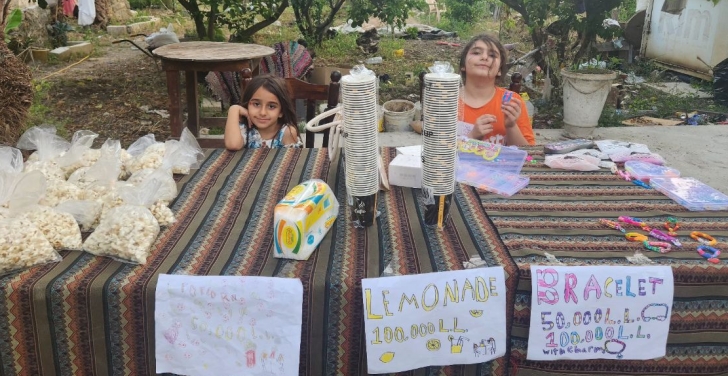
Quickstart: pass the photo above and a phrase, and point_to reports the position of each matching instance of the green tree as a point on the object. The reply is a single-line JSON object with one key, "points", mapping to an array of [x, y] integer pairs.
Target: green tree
{"points": [[561, 20], [392, 12], [314, 17], [466, 11], [243, 17]]}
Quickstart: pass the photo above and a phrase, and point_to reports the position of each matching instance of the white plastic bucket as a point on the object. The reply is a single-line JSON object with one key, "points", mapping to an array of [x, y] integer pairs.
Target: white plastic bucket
{"points": [[584, 98], [398, 114]]}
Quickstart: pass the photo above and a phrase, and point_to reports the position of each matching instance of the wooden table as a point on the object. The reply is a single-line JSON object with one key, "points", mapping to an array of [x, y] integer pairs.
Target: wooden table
{"points": [[94, 316], [193, 57]]}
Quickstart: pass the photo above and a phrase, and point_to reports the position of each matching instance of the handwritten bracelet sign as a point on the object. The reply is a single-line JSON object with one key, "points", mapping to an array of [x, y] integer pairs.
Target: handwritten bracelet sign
{"points": [[214, 325], [599, 312], [456, 317]]}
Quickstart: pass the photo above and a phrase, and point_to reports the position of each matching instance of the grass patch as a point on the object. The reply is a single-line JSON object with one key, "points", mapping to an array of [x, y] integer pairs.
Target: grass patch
{"points": [[39, 113]]}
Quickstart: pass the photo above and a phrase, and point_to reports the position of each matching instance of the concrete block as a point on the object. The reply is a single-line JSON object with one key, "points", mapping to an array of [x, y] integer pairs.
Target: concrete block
{"points": [[116, 30], [62, 53], [73, 50], [81, 48], [141, 27]]}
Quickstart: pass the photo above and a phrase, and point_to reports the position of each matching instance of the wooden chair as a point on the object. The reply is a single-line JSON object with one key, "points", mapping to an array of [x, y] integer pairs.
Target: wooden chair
{"points": [[311, 93]]}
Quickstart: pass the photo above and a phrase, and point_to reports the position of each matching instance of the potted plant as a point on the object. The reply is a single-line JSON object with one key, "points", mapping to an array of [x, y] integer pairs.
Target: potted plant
{"points": [[586, 88]]}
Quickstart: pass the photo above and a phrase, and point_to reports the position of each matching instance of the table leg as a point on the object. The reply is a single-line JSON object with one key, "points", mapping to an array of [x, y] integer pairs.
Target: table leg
{"points": [[193, 114], [245, 77], [175, 112]]}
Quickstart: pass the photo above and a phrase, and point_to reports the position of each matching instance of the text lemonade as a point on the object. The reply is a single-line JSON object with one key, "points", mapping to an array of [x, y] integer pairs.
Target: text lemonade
{"points": [[476, 291]]}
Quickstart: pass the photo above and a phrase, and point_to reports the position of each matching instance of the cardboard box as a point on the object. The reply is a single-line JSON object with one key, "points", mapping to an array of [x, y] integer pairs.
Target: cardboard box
{"points": [[406, 171], [322, 75]]}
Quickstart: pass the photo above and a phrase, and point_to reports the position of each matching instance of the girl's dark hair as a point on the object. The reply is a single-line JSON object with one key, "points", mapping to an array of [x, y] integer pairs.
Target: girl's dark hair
{"points": [[491, 42], [277, 86]]}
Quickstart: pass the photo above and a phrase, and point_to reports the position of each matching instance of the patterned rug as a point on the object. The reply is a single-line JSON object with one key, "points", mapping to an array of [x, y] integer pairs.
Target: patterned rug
{"points": [[558, 214]]}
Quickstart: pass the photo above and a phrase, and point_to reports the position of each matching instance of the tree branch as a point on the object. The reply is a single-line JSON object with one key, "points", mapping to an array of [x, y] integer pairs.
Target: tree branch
{"points": [[262, 24], [4, 18]]}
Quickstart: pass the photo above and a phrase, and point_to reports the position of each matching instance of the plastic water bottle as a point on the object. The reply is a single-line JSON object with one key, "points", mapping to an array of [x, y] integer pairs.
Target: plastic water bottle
{"points": [[529, 107]]}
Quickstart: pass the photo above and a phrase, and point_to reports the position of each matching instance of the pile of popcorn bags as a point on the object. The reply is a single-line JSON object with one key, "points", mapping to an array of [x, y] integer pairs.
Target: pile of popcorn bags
{"points": [[65, 188]]}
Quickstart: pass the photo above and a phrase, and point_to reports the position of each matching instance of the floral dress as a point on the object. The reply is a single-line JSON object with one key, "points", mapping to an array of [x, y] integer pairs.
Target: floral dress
{"points": [[252, 139]]}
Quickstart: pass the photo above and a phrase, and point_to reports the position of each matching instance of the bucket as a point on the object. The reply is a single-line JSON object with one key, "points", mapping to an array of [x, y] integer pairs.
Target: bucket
{"points": [[398, 114], [584, 98]]}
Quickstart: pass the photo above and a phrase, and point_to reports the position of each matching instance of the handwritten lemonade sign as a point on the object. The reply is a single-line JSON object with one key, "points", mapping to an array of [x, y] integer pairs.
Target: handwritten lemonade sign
{"points": [[445, 318], [228, 325], [599, 312]]}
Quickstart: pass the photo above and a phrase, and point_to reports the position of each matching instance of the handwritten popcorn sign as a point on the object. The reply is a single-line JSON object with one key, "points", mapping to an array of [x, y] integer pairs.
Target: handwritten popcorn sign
{"points": [[599, 312], [456, 317], [228, 325]]}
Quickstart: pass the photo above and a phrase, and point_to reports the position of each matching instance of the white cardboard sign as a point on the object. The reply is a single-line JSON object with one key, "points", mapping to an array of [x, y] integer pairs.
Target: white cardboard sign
{"points": [[456, 317], [214, 325], [599, 312]]}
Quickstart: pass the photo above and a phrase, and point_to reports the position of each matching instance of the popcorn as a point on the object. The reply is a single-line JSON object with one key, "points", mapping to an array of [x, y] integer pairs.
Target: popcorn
{"points": [[60, 229], [126, 233], [23, 245], [151, 158], [60, 191], [85, 212], [164, 215], [48, 168], [89, 157]]}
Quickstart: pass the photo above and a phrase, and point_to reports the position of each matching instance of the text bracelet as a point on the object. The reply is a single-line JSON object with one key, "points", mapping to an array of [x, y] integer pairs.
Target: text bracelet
{"points": [[672, 226], [659, 247], [636, 237], [657, 234], [703, 238], [634, 222], [612, 225], [710, 253]]}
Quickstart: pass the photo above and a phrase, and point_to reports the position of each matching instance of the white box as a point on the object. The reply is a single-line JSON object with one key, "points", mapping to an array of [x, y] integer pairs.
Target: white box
{"points": [[414, 150], [406, 171]]}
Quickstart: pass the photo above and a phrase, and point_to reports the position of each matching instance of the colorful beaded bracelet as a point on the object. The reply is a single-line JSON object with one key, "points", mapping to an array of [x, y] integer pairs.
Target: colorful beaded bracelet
{"points": [[710, 253], [636, 237], [659, 247], [672, 226], [612, 225], [634, 221], [657, 234], [703, 238]]}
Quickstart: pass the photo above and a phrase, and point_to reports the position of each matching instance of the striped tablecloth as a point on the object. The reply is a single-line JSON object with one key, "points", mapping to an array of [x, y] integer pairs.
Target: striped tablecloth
{"points": [[90, 315], [558, 214]]}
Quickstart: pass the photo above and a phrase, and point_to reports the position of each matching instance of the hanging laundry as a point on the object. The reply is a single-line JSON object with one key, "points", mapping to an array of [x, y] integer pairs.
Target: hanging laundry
{"points": [[86, 12]]}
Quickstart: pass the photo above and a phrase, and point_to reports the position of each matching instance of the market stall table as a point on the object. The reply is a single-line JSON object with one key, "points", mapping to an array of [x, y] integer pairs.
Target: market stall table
{"points": [[90, 315], [193, 57], [559, 212]]}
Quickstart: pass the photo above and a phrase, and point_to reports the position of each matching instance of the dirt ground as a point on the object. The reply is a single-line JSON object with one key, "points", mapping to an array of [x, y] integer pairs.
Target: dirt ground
{"points": [[105, 94]]}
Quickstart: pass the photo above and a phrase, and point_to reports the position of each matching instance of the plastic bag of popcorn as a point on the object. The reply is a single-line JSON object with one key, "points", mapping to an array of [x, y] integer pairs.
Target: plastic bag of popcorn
{"points": [[48, 147], [23, 245], [74, 157], [183, 155], [60, 228], [11, 160], [127, 232], [85, 212], [21, 190]]}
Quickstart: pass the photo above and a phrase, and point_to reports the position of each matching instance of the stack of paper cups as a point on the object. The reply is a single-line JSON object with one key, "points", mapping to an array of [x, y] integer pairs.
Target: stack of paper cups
{"points": [[439, 143], [361, 147]]}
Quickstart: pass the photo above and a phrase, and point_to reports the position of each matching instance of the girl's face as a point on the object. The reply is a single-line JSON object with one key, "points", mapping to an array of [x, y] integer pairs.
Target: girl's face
{"points": [[483, 61], [264, 109]]}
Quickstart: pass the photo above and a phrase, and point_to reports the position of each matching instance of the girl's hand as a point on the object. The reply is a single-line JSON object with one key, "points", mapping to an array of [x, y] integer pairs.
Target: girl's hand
{"points": [[483, 126], [242, 113], [511, 111]]}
